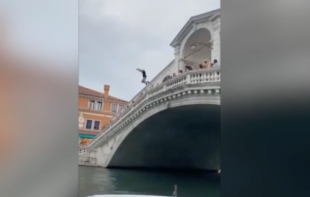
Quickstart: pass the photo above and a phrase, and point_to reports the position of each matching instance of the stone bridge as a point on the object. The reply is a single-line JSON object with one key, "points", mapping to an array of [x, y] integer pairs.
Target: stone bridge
{"points": [[173, 125]]}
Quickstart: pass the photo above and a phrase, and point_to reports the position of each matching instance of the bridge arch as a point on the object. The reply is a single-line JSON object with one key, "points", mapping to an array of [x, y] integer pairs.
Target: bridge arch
{"points": [[197, 37], [180, 135], [195, 92]]}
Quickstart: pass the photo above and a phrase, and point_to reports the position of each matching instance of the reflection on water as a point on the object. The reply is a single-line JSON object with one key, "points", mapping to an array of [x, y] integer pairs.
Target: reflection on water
{"points": [[115, 181]]}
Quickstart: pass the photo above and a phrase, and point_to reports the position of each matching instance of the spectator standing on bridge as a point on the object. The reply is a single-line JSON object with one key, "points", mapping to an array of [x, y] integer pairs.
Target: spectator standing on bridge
{"points": [[143, 76], [187, 67], [205, 64], [215, 64]]}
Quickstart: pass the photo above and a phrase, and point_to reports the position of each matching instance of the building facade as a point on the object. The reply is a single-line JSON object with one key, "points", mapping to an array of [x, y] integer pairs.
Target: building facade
{"points": [[96, 110]]}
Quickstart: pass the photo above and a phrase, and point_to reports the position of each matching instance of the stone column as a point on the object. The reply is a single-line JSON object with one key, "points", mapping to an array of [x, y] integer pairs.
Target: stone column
{"points": [[81, 120], [177, 57], [216, 40]]}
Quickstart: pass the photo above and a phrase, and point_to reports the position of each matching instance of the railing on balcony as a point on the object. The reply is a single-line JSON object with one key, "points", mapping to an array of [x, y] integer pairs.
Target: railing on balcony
{"points": [[190, 77]]}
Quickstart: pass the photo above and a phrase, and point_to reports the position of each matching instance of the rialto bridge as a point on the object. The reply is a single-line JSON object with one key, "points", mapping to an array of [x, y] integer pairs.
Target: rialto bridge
{"points": [[175, 123]]}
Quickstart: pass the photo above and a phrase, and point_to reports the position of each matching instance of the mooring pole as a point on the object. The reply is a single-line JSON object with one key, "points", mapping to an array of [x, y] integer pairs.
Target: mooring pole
{"points": [[175, 191]]}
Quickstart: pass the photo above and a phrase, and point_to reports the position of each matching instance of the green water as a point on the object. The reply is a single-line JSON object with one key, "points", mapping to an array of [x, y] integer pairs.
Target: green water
{"points": [[114, 181]]}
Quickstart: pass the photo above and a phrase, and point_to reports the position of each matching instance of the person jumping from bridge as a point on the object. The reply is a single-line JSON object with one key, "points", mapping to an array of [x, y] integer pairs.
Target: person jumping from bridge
{"points": [[143, 76]]}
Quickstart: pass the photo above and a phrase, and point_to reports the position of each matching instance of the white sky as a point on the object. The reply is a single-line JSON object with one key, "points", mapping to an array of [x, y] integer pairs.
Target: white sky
{"points": [[117, 36]]}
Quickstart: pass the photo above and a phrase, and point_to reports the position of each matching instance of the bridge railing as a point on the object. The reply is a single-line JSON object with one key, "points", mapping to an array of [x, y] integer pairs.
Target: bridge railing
{"points": [[191, 77]]}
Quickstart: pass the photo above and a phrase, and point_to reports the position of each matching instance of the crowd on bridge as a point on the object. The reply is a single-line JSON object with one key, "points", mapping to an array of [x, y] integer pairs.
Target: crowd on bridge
{"points": [[206, 64], [203, 65]]}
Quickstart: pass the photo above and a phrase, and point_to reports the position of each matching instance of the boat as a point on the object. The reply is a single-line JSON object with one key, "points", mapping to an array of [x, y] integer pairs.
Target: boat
{"points": [[124, 195]]}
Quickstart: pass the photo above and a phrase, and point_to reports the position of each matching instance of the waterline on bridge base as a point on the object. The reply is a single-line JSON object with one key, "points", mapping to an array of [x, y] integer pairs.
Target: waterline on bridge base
{"points": [[153, 169], [163, 169]]}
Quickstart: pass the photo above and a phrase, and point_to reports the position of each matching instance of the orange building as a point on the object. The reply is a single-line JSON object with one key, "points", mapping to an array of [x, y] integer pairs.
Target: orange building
{"points": [[96, 110]]}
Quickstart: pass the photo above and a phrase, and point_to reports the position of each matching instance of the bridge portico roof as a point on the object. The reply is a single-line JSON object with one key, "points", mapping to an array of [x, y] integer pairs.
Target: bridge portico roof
{"points": [[194, 19]]}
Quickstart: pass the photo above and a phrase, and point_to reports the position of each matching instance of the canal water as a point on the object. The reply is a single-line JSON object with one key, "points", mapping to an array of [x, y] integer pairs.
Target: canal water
{"points": [[96, 181]]}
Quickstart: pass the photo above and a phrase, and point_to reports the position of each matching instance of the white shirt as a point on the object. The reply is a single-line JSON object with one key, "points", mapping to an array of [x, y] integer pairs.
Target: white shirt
{"points": [[216, 65]]}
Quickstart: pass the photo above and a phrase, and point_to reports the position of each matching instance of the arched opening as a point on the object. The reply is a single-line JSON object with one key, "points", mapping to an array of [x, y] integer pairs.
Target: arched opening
{"points": [[197, 48], [183, 138]]}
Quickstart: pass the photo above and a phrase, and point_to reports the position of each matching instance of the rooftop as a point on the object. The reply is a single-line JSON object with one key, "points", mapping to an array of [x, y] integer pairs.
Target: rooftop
{"points": [[94, 93]]}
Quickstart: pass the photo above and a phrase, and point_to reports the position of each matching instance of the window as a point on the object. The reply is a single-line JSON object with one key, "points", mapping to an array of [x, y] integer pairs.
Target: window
{"points": [[89, 124], [114, 108], [95, 105], [92, 104], [121, 108], [99, 106], [97, 125], [92, 124]]}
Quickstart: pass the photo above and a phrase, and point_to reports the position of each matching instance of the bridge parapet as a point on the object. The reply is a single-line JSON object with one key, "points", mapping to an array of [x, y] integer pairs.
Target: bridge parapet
{"points": [[203, 77]]}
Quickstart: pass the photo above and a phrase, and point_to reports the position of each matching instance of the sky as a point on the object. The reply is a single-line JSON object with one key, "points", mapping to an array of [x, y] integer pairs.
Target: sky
{"points": [[118, 36], [114, 36]]}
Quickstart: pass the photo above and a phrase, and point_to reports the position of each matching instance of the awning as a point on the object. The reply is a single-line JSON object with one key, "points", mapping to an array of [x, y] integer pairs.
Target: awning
{"points": [[83, 136]]}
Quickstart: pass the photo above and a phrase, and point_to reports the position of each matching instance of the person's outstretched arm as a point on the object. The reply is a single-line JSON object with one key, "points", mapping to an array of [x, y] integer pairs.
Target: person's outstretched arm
{"points": [[140, 70]]}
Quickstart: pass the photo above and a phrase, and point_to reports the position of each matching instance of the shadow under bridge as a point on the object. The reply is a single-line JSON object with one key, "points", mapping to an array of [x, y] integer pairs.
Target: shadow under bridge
{"points": [[181, 138]]}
